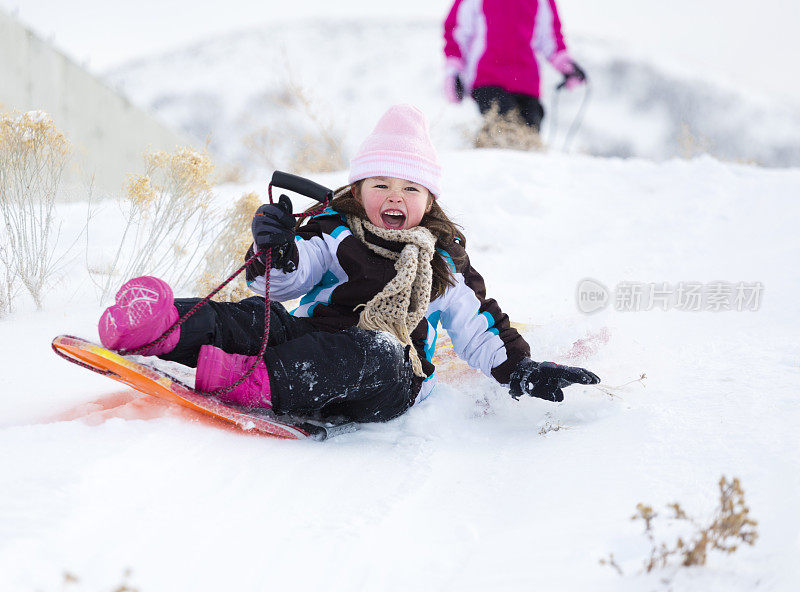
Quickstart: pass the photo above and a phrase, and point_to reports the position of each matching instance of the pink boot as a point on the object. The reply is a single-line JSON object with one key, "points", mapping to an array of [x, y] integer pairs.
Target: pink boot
{"points": [[217, 369], [144, 309]]}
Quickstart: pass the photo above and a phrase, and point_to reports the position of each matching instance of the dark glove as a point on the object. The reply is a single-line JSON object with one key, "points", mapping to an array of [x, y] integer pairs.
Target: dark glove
{"points": [[273, 224], [546, 379]]}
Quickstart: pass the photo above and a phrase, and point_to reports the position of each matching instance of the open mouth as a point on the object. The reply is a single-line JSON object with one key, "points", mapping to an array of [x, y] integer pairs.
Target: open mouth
{"points": [[393, 219]]}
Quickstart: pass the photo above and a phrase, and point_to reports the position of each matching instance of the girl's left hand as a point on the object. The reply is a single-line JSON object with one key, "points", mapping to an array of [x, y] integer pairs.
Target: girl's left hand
{"points": [[545, 380]]}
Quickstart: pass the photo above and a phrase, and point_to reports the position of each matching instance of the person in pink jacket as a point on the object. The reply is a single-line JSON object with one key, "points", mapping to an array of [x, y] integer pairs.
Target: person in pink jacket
{"points": [[491, 48]]}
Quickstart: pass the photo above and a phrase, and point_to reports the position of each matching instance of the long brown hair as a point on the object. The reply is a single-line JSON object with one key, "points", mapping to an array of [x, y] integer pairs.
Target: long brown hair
{"points": [[447, 232]]}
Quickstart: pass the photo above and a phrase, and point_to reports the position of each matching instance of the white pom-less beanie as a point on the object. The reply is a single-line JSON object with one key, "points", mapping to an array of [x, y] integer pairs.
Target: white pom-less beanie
{"points": [[399, 146]]}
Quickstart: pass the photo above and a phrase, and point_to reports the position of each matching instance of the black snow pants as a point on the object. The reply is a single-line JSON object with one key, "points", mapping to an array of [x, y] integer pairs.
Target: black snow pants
{"points": [[354, 374], [528, 107]]}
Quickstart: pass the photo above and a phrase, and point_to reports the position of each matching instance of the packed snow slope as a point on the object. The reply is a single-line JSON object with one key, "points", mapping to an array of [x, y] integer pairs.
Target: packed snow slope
{"points": [[470, 490], [284, 84]]}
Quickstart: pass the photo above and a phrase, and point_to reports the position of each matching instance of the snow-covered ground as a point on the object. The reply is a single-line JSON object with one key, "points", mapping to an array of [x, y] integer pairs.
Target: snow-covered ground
{"points": [[469, 490], [667, 78], [282, 83]]}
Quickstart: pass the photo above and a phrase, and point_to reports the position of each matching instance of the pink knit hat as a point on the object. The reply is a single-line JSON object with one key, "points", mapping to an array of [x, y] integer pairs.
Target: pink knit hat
{"points": [[399, 146]]}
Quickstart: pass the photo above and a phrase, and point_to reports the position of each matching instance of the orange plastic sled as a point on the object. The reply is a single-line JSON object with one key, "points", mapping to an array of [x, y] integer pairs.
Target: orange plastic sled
{"points": [[153, 382]]}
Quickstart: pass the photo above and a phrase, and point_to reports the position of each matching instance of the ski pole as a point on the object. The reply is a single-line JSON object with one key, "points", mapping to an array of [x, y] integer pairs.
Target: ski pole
{"points": [[577, 120]]}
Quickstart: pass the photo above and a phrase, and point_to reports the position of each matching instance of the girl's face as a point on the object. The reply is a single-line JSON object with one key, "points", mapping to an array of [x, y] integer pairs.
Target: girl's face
{"points": [[394, 204]]}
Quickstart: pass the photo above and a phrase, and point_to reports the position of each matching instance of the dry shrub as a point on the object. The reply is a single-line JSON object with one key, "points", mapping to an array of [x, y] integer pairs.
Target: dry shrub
{"points": [[225, 255], [69, 579], [729, 527], [169, 215], [507, 131], [551, 425], [314, 156], [318, 151], [232, 173], [264, 145], [33, 156], [692, 145], [321, 151], [8, 281]]}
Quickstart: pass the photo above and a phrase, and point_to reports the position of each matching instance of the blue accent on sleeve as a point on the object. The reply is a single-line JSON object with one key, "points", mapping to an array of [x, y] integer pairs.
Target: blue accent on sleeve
{"points": [[433, 325], [327, 281], [448, 259], [338, 230], [329, 211], [307, 312], [490, 321]]}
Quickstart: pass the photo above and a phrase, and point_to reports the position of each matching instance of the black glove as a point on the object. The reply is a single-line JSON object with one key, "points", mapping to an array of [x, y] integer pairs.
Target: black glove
{"points": [[273, 224], [546, 379], [273, 227]]}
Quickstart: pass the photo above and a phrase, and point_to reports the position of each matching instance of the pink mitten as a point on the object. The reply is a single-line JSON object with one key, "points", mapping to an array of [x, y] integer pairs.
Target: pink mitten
{"points": [[574, 76]]}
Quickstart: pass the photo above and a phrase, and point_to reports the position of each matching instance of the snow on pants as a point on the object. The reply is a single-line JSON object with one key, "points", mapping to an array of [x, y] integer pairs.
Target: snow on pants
{"points": [[529, 107], [353, 374]]}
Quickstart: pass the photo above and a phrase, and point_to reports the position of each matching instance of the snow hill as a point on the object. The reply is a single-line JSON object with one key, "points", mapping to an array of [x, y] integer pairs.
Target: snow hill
{"points": [[470, 490], [244, 83]]}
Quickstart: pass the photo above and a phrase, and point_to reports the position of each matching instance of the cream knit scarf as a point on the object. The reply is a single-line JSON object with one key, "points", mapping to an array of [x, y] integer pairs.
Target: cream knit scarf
{"points": [[402, 303]]}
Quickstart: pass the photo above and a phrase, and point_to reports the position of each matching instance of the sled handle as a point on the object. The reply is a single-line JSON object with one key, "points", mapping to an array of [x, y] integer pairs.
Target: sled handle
{"points": [[302, 186]]}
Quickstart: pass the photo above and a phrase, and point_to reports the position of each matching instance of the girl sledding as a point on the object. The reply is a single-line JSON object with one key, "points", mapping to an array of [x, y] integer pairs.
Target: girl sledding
{"points": [[376, 272]]}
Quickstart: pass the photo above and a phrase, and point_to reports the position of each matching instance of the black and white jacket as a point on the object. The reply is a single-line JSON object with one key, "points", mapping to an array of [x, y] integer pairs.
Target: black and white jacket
{"points": [[334, 273]]}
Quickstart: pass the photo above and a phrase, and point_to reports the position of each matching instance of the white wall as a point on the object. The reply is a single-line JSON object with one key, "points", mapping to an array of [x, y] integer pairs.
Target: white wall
{"points": [[107, 133]]}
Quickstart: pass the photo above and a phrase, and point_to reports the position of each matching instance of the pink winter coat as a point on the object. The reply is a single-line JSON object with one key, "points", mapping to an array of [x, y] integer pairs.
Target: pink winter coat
{"points": [[493, 42]]}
